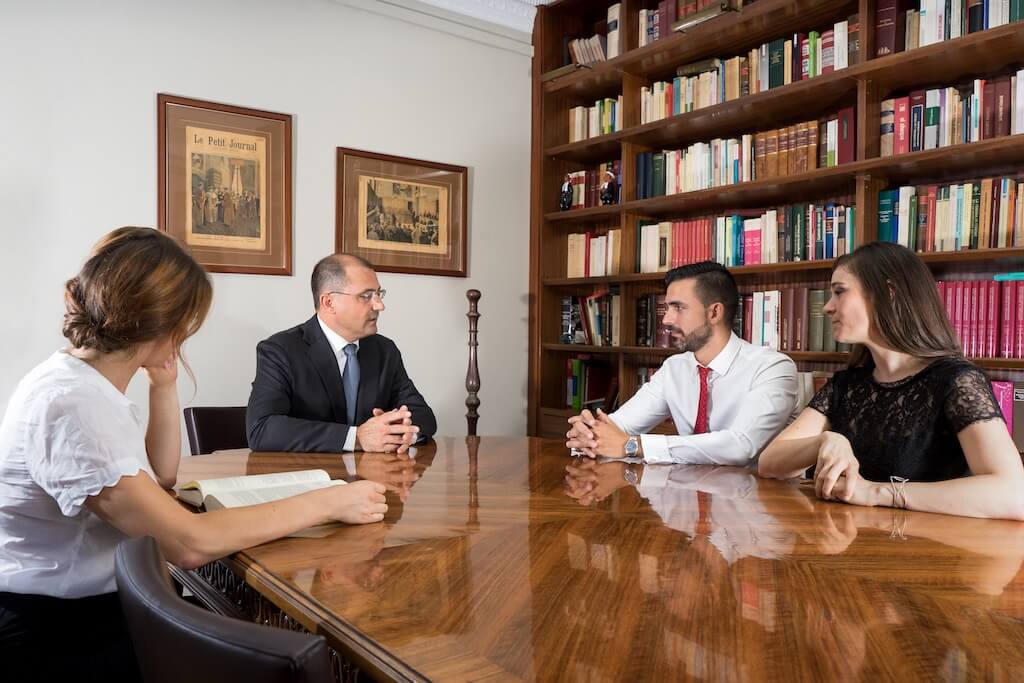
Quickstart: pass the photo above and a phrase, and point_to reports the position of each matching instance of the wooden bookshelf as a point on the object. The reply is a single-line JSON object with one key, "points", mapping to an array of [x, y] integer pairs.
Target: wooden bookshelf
{"points": [[863, 85]]}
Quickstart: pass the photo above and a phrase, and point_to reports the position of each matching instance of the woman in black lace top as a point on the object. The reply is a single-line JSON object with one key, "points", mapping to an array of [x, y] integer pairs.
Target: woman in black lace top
{"points": [[910, 418]]}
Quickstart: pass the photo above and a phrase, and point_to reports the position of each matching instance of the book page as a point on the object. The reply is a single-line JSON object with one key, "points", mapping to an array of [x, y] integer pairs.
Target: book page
{"points": [[244, 497], [207, 487]]}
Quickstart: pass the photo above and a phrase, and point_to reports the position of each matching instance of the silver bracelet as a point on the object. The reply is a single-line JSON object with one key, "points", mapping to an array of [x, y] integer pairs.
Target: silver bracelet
{"points": [[897, 485]]}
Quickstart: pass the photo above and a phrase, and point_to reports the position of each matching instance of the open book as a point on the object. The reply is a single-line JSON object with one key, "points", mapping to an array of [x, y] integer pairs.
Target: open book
{"points": [[233, 492]]}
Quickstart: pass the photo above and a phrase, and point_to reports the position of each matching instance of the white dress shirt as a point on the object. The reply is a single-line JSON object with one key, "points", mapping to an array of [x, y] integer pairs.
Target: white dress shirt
{"points": [[752, 392], [68, 433], [338, 344]]}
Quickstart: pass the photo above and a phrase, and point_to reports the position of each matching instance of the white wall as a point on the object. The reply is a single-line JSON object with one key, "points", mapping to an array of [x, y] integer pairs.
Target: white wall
{"points": [[78, 89]]}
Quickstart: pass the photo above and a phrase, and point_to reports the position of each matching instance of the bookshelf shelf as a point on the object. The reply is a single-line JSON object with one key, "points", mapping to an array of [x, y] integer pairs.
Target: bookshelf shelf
{"points": [[756, 194], [986, 54], [590, 215], [748, 113]]}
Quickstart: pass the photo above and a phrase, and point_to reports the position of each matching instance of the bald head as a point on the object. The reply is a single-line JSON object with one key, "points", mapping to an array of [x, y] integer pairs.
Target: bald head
{"points": [[329, 274]]}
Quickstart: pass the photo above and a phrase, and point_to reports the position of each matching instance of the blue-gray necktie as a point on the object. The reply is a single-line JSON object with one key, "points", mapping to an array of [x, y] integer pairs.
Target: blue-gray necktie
{"points": [[350, 380]]}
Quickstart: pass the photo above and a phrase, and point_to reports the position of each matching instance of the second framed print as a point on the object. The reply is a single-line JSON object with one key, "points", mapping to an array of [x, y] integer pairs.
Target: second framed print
{"points": [[225, 184], [402, 215]]}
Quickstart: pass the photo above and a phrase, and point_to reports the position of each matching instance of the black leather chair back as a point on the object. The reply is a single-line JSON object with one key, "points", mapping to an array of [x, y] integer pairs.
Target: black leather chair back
{"points": [[177, 641], [214, 429]]}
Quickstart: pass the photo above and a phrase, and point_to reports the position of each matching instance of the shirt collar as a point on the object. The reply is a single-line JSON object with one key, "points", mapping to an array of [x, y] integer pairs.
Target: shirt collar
{"points": [[336, 341], [94, 377], [721, 363]]}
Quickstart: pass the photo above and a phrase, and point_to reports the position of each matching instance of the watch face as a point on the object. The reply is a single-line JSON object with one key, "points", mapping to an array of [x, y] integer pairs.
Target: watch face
{"points": [[631, 476], [631, 446]]}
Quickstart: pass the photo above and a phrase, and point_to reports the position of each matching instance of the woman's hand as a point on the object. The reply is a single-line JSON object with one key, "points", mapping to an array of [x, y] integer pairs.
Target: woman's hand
{"points": [[360, 502], [165, 374], [837, 472]]}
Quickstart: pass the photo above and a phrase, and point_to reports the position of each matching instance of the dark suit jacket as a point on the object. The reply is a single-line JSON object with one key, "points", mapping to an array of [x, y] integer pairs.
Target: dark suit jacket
{"points": [[298, 403]]}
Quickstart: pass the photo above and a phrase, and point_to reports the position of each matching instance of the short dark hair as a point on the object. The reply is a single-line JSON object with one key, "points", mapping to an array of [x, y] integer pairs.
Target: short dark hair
{"points": [[330, 271], [715, 284]]}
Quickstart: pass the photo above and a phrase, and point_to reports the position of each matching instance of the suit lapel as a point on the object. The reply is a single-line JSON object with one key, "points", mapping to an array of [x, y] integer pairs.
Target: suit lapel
{"points": [[326, 364], [369, 372]]}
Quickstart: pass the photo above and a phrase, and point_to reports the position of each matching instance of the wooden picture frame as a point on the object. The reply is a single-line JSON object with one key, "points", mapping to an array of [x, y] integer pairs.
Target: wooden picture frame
{"points": [[402, 215], [224, 177]]}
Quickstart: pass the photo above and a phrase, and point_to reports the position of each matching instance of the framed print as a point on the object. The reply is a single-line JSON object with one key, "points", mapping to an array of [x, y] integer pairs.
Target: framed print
{"points": [[225, 184], [402, 215]]}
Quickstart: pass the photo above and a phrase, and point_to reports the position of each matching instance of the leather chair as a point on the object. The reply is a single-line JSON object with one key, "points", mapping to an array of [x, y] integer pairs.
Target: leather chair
{"points": [[213, 429], [177, 641]]}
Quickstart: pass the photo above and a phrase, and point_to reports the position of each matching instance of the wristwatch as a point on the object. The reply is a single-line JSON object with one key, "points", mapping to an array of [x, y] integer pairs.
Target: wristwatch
{"points": [[632, 446], [630, 475]]}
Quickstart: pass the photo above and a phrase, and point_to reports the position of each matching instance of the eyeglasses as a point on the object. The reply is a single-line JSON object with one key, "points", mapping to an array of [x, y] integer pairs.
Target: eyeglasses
{"points": [[367, 297]]}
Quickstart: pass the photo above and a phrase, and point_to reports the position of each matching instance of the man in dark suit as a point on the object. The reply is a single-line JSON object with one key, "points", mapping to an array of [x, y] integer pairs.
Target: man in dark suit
{"points": [[332, 383]]}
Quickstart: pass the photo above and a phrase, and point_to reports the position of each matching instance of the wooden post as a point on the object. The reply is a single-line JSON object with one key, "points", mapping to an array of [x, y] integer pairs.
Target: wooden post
{"points": [[472, 372]]}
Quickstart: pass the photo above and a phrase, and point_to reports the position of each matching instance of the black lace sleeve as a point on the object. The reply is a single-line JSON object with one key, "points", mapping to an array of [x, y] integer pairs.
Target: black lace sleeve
{"points": [[970, 399], [822, 401]]}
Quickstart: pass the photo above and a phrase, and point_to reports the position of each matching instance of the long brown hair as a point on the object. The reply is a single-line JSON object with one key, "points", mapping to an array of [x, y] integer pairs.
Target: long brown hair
{"points": [[903, 302], [138, 285]]}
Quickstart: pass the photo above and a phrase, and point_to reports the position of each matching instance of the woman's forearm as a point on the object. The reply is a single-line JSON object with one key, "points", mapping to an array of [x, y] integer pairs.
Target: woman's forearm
{"points": [[788, 458], [991, 496], [163, 435]]}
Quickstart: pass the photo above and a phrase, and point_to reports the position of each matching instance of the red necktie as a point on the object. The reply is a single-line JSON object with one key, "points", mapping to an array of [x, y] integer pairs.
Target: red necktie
{"points": [[700, 425]]}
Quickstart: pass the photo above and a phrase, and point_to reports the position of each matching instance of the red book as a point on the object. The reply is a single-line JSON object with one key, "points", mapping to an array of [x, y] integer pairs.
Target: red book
{"points": [[787, 340], [828, 52], [846, 148], [971, 317], [988, 110], [930, 227], [890, 24], [947, 299], [992, 319], [748, 316], [1002, 106], [958, 308], [1008, 321], [1018, 321], [981, 340], [678, 257], [901, 137]]}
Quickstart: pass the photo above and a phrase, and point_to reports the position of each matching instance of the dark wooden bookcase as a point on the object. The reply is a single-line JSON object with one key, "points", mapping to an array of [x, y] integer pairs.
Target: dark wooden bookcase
{"points": [[863, 85]]}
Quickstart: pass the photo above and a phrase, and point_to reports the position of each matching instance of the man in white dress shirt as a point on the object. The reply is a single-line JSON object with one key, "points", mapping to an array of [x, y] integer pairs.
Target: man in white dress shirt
{"points": [[727, 397]]}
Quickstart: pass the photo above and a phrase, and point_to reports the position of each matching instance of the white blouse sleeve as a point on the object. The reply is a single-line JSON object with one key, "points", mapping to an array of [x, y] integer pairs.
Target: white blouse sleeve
{"points": [[83, 448]]}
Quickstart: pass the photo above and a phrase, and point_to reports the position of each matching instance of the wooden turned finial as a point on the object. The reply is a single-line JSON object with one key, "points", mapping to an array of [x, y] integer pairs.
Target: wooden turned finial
{"points": [[473, 371]]}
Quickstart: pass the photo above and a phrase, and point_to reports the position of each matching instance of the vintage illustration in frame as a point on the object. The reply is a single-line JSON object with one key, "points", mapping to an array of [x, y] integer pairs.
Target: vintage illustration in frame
{"points": [[225, 184], [403, 215]]}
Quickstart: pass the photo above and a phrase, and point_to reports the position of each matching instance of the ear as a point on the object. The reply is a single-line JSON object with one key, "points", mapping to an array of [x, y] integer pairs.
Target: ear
{"points": [[716, 312]]}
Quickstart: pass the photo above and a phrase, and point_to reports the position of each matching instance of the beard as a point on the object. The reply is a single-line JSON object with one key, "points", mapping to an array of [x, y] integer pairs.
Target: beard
{"points": [[694, 341]]}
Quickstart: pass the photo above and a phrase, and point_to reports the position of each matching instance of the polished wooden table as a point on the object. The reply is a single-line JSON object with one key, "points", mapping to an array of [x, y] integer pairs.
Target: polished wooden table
{"points": [[506, 559]]}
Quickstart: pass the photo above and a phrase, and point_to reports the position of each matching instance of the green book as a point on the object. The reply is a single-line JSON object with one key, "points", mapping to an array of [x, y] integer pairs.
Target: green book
{"points": [[886, 202], [827, 337], [815, 320], [776, 63], [658, 173], [912, 228]]}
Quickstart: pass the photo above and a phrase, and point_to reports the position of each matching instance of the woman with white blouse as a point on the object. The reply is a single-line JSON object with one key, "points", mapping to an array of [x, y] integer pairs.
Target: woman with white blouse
{"points": [[80, 469]]}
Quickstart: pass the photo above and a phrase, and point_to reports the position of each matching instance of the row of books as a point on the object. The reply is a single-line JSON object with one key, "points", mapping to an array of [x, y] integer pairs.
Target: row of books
{"points": [[940, 117], [788, 319], [798, 232], [987, 316], [656, 23], [593, 320], [786, 151], [603, 118], [586, 185], [981, 214], [590, 255], [590, 383], [898, 28], [780, 62]]}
